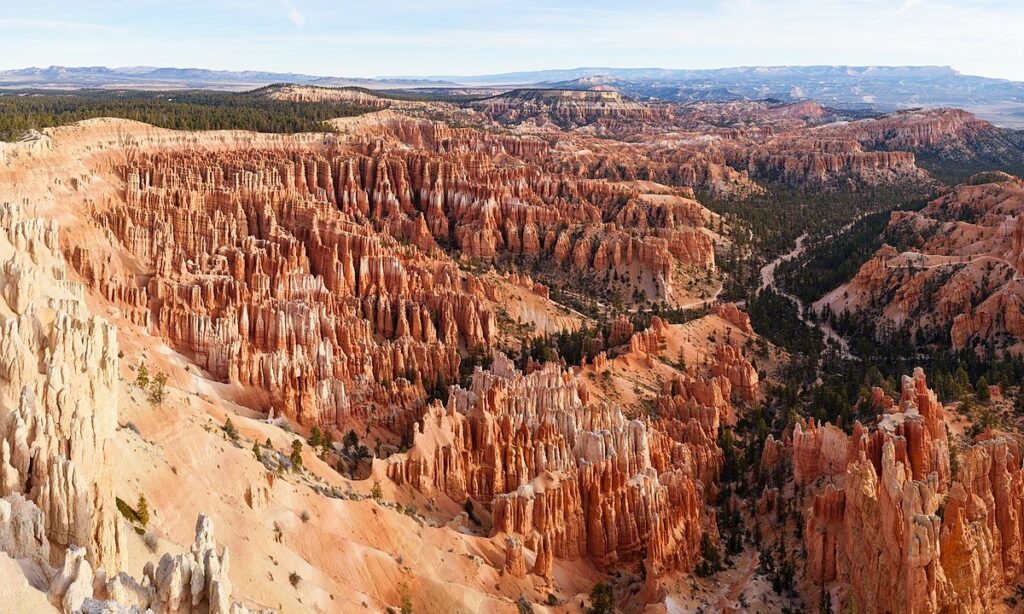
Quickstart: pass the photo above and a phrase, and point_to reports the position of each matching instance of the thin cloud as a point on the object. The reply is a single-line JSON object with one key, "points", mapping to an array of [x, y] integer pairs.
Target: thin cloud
{"points": [[294, 14], [55, 24]]}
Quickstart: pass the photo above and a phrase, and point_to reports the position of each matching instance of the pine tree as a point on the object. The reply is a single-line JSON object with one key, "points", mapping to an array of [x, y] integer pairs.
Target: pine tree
{"points": [[981, 389], [142, 510], [296, 455], [602, 599], [142, 376], [230, 430], [406, 606], [158, 389]]}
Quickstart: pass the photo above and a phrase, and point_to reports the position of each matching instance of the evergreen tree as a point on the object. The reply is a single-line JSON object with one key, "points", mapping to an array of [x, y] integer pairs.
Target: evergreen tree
{"points": [[142, 510], [142, 377], [602, 599], [158, 389]]}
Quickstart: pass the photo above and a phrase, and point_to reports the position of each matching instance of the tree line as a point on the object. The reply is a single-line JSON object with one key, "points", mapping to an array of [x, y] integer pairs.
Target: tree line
{"points": [[23, 110]]}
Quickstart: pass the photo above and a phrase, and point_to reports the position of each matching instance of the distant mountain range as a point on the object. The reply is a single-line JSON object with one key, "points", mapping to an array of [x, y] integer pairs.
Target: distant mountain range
{"points": [[149, 77], [883, 88]]}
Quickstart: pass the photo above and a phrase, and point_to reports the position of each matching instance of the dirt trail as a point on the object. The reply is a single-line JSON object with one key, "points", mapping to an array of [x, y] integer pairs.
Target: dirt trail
{"points": [[768, 281]]}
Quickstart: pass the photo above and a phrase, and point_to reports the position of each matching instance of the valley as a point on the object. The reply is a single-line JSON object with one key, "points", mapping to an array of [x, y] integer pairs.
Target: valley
{"points": [[530, 351]]}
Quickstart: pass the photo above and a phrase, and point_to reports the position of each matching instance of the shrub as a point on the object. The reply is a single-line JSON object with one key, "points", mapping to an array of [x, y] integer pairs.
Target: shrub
{"points": [[406, 604], [376, 492], [230, 430], [126, 510], [296, 456], [304, 516], [602, 599], [294, 579]]}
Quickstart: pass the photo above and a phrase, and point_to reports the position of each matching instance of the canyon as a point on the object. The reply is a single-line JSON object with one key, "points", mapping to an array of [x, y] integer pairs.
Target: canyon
{"points": [[471, 356], [953, 274]]}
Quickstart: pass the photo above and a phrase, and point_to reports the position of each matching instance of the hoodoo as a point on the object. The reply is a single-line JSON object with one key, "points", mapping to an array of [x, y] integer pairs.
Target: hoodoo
{"points": [[594, 340]]}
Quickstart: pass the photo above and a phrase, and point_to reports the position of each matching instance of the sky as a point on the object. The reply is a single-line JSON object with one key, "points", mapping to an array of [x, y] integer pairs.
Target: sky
{"points": [[472, 37]]}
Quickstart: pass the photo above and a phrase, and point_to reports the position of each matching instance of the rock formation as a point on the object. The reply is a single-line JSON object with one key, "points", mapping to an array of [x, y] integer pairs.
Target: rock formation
{"points": [[573, 478], [893, 529], [343, 279], [315, 277], [957, 281], [58, 379], [195, 581], [568, 108]]}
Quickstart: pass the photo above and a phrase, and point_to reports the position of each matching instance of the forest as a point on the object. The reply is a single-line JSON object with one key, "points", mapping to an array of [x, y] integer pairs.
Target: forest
{"points": [[23, 110]]}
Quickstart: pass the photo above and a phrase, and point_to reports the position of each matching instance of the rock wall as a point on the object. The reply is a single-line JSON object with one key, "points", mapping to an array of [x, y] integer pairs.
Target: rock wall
{"points": [[893, 530], [955, 279], [58, 393], [570, 477]]}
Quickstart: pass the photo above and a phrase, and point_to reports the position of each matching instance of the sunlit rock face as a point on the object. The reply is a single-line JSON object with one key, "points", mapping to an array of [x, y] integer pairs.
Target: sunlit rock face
{"points": [[956, 281], [934, 541]]}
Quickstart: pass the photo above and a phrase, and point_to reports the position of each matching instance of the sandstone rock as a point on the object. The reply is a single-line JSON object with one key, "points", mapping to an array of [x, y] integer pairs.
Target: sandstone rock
{"points": [[55, 444], [515, 563], [959, 287], [567, 478], [731, 314], [877, 527]]}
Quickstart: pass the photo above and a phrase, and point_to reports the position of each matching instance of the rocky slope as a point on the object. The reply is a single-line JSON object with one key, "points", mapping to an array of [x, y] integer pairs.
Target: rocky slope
{"points": [[568, 108], [57, 470], [954, 278], [335, 317], [888, 526], [317, 278]]}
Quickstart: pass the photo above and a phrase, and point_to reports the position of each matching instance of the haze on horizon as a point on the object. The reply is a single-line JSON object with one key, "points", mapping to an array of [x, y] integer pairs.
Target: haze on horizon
{"points": [[471, 37]]}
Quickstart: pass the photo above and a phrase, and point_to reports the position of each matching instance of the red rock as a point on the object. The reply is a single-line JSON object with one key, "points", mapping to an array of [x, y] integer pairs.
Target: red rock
{"points": [[568, 478], [877, 528]]}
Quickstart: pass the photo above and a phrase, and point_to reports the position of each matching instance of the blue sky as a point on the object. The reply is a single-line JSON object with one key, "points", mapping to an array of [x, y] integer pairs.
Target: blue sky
{"points": [[402, 37]]}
